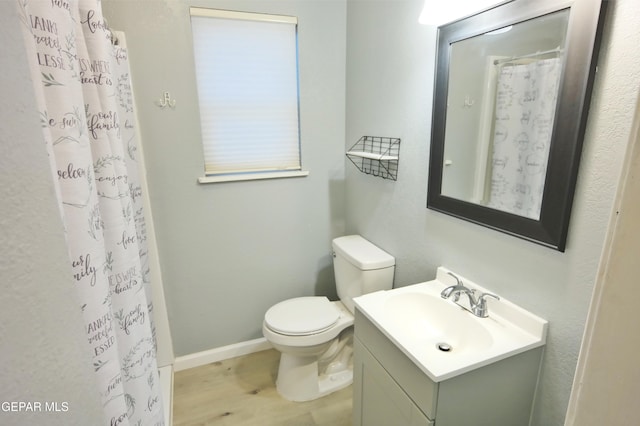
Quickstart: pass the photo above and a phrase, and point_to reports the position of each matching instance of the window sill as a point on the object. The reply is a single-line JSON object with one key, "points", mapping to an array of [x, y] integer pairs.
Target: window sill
{"points": [[252, 176]]}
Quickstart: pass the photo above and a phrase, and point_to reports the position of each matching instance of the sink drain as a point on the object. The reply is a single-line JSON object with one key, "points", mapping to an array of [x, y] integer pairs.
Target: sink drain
{"points": [[444, 347]]}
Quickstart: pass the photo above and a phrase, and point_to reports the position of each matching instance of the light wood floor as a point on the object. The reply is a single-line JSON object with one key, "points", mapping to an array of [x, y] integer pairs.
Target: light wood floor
{"points": [[241, 391]]}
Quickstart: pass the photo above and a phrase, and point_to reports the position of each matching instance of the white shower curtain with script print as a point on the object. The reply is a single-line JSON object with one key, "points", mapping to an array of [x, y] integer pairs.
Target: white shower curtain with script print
{"points": [[84, 95], [526, 96]]}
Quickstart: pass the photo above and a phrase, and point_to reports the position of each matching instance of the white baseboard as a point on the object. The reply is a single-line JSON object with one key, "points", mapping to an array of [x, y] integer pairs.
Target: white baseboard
{"points": [[219, 354]]}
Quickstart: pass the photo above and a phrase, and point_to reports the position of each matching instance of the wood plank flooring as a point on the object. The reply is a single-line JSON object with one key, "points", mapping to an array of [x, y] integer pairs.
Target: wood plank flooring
{"points": [[241, 391]]}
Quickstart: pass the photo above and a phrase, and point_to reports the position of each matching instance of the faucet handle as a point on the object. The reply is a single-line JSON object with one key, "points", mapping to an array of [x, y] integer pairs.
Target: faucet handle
{"points": [[481, 298], [458, 282], [480, 308]]}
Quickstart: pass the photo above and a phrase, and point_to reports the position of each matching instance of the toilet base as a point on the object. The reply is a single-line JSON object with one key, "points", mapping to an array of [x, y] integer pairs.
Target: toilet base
{"points": [[308, 378]]}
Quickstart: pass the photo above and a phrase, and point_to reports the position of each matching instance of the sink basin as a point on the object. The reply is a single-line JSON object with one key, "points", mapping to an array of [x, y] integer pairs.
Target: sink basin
{"points": [[443, 339], [437, 326]]}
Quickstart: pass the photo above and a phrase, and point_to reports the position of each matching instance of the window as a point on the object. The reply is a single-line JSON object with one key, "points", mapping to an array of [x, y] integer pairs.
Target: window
{"points": [[247, 78]]}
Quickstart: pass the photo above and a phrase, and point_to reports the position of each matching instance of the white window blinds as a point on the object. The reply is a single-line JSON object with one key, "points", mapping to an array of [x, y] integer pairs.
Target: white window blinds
{"points": [[247, 78]]}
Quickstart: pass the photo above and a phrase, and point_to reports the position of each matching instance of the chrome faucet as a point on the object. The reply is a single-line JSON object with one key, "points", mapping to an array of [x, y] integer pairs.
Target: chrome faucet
{"points": [[478, 306], [455, 290]]}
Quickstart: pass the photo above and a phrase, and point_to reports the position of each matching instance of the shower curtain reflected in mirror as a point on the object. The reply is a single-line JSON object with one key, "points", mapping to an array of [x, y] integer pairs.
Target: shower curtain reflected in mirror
{"points": [[85, 103], [526, 96]]}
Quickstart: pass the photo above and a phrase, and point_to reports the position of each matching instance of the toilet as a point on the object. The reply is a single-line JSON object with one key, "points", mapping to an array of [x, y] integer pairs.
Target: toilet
{"points": [[315, 335]]}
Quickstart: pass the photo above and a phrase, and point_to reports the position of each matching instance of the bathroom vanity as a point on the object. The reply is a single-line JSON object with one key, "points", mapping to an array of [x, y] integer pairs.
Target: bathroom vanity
{"points": [[481, 383]]}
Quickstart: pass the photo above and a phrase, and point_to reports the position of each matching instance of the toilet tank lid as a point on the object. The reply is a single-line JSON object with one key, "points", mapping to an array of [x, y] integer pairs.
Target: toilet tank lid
{"points": [[361, 253]]}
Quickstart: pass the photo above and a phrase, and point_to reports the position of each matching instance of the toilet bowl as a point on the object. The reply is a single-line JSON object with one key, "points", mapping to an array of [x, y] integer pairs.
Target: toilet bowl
{"points": [[315, 335], [310, 334]]}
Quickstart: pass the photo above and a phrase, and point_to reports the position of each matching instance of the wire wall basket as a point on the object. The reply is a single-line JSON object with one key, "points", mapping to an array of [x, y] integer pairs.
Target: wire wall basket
{"points": [[377, 156]]}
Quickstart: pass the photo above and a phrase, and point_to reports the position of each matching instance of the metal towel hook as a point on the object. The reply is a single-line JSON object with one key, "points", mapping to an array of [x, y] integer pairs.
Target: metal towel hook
{"points": [[166, 101]]}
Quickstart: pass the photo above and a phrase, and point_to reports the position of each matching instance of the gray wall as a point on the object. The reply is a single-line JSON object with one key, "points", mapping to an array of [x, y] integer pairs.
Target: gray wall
{"points": [[230, 251], [390, 65], [43, 354]]}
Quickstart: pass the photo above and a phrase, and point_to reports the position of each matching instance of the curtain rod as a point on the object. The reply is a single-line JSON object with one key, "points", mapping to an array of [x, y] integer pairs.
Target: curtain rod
{"points": [[530, 55]]}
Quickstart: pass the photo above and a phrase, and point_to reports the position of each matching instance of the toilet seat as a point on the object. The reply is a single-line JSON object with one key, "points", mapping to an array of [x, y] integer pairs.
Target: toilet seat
{"points": [[302, 316]]}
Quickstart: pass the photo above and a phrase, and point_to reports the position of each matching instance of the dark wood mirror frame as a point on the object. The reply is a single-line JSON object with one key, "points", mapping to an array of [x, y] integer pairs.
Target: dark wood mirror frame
{"points": [[581, 50]]}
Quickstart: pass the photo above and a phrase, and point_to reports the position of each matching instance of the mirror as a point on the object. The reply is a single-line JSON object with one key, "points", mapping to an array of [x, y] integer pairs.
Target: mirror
{"points": [[512, 92]]}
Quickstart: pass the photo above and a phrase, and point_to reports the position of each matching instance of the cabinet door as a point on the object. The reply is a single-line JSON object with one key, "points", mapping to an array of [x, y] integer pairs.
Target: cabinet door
{"points": [[380, 400]]}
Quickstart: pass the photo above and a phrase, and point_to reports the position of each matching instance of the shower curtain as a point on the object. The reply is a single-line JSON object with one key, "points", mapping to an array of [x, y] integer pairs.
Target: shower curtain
{"points": [[526, 96], [85, 103]]}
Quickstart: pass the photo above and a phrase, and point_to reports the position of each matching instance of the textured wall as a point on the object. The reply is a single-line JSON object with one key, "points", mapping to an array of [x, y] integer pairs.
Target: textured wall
{"points": [[230, 251], [390, 65], [43, 354]]}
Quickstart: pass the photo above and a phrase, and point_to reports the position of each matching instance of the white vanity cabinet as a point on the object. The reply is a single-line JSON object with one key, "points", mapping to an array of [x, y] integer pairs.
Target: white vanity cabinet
{"points": [[390, 389]]}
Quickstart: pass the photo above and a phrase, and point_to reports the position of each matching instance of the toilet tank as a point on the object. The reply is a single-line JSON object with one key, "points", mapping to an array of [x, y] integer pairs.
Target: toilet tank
{"points": [[360, 268]]}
